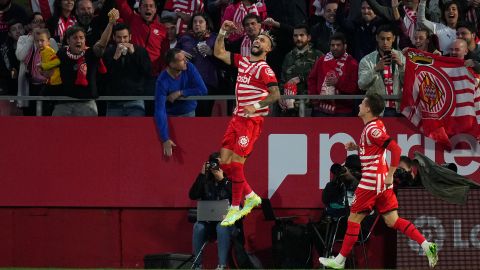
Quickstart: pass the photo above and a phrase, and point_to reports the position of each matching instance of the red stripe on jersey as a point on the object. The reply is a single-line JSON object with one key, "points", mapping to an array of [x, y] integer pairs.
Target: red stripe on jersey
{"points": [[252, 84], [372, 156]]}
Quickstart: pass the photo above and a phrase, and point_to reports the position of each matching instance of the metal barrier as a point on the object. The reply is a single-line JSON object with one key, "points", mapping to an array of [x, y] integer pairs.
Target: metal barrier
{"points": [[301, 98]]}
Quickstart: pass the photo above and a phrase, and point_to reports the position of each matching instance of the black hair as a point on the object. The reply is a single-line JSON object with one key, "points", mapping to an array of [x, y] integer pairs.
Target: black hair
{"points": [[170, 55], [168, 19], [432, 38], [72, 31], [57, 8], [119, 27], [214, 155], [470, 26], [386, 28], [376, 103], [338, 36], [251, 16], [302, 26], [353, 163], [205, 17], [32, 17], [408, 161], [446, 5]]}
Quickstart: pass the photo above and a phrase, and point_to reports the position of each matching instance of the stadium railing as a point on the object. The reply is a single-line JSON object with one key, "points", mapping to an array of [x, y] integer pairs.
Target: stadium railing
{"points": [[301, 98]]}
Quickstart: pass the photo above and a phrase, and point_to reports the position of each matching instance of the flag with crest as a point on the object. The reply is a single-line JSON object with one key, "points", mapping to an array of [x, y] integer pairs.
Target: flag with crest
{"points": [[440, 96]]}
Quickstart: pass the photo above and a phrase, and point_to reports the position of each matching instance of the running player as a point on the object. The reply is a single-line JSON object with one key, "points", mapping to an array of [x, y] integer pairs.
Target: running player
{"points": [[375, 187]]}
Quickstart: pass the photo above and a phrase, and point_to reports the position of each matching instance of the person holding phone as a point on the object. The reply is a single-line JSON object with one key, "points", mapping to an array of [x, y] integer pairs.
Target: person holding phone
{"points": [[382, 70]]}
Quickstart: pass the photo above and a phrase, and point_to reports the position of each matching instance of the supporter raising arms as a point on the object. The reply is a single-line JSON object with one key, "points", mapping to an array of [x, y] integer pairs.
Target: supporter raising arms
{"points": [[445, 31], [237, 10], [255, 90], [149, 33], [199, 42], [183, 11]]}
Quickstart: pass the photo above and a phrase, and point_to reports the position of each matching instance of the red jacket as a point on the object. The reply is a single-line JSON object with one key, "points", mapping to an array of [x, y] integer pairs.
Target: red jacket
{"points": [[152, 36], [346, 85]]}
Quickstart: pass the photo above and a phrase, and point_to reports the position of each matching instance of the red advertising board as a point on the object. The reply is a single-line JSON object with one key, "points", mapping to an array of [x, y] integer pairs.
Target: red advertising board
{"points": [[118, 162]]}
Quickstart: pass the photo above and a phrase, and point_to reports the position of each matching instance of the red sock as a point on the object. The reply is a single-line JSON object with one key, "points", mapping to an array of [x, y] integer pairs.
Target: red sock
{"points": [[407, 228], [246, 188], [226, 168], [238, 181], [351, 236]]}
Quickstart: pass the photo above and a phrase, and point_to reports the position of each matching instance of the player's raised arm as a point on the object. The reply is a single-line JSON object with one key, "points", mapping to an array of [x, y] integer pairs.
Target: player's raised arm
{"points": [[219, 49]]}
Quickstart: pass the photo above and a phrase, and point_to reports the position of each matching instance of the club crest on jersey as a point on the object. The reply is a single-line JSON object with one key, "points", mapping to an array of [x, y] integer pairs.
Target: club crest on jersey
{"points": [[243, 141], [376, 133], [243, 79]]}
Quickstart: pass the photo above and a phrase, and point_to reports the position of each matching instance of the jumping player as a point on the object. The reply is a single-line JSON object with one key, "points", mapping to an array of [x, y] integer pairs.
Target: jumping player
{"points": [[375, 187], [256, 88]]}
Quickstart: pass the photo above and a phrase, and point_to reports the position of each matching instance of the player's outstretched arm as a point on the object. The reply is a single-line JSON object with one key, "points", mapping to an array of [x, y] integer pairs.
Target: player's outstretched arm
{"points": [[219, 49]]}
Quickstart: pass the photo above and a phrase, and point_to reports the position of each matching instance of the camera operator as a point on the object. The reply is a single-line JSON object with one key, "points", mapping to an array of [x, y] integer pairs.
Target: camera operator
{"points": [[404, 176], [211, 184], [339, 191]]}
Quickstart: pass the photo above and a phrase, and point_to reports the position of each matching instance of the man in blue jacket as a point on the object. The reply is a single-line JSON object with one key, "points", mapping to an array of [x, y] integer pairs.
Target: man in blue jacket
{"points": [[179, 79]]}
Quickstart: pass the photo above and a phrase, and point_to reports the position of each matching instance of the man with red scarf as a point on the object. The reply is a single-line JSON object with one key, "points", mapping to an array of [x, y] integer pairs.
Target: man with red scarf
{"points": [[79, 65], [335, 73]]}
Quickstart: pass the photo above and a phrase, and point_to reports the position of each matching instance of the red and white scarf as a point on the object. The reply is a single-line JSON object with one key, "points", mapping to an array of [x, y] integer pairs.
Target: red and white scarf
{"points": [[64, 24], [238, 16], [188, 7], [388, 81], [410, 20], [246, 46], [336, 69], [81, 78]]}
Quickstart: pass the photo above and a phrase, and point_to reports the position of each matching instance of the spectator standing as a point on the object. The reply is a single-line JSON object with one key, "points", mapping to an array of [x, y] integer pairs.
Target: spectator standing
{"points": [[336, 73], [127, 67], [169, 23], [445, 31], [9, 11], [149, 33], [179, 79], [199, 43], [183, 11], [425, 41], [237, 11], [63, 18], [30, 80], [79, 66], [459, 49], [360, 32], [211, 184], [326, 27], [9, 66], [252, 26], [93, 25], [44, 7], [298, 64], [382, 71], [466, 31]]}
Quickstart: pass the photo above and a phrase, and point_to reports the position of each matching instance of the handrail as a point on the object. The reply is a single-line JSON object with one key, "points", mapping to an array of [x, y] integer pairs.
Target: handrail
{"points": [[301, 98]]}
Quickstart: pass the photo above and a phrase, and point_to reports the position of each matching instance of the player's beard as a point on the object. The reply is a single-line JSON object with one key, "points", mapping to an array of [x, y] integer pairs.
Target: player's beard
{"points": [[258, 52]]}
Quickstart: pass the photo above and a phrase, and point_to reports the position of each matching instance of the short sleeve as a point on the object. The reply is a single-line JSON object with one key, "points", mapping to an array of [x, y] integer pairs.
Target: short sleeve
{"points": [[268, 76], [378, 136]]}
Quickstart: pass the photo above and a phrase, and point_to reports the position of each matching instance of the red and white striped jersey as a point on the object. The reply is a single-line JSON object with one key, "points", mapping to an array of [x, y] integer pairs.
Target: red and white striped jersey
{"points": [[372, 156], [253, 81], [186, 6]]}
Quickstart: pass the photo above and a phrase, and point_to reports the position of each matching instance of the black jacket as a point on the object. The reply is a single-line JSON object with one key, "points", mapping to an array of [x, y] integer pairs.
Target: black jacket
{"points": [[14, 12], [126, 75], [206, 188]]}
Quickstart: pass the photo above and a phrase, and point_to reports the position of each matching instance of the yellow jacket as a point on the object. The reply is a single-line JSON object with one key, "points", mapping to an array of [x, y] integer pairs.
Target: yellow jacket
{"points": [[51, 61]]}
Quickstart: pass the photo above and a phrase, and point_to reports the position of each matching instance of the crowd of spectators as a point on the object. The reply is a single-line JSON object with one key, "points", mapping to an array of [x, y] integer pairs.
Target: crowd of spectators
{"points": [[325, 47]]}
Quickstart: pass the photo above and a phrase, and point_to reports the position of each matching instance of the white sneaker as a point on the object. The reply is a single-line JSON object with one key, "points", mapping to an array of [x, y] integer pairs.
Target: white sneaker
{"points": [[331, 263]]}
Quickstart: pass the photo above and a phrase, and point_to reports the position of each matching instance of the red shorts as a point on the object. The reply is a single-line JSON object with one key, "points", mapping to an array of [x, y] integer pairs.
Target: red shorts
{"points": [[241, 134], [365, 200]]}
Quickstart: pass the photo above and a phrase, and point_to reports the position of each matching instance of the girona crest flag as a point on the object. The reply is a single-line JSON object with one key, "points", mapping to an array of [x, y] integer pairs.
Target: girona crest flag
{"points": [[440, 96]]}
